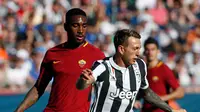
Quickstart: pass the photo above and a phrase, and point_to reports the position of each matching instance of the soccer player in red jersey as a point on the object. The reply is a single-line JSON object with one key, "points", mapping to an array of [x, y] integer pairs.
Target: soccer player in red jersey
{"points": [[161, 79], [64, 64]]}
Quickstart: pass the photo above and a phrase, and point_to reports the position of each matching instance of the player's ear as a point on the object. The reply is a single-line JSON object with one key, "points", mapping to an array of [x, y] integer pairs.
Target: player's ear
{"points": [[158, 51], [121, 49], [66, 26]]}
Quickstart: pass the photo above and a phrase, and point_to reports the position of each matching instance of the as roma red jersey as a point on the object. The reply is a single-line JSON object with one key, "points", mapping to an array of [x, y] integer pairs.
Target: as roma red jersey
{"points": [[160, 79], [65, 66]]}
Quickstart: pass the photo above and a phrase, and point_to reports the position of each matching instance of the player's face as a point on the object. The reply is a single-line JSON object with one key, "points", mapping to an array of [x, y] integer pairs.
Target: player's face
{"points": [[131, 51], [151, 52], [77, 29]]}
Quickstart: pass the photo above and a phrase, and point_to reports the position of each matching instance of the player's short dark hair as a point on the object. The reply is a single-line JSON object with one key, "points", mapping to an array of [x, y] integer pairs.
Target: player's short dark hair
{"points": [[74, 12], [121, 36], [151, 40]]}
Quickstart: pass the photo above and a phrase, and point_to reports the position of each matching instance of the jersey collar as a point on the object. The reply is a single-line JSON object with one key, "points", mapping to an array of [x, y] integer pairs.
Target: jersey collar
{"points": [[115, 65]]}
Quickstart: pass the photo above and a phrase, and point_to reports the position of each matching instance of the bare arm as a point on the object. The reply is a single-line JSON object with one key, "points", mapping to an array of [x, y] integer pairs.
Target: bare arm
{"points": [[85, 80], [34, 94], [30, 99], [154, 99], [176, 94]]}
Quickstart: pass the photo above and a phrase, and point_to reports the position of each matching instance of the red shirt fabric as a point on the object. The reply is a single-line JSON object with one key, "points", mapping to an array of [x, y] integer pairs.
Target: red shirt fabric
{"points": [[160, 79], [65, 66]]}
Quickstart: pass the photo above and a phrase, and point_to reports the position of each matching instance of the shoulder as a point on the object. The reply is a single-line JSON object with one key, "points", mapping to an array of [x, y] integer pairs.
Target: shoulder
{"points": [[53, 51], [163, 65], [104, 60], [141, 62], [94, 51], [57, 47], [92, 47]]}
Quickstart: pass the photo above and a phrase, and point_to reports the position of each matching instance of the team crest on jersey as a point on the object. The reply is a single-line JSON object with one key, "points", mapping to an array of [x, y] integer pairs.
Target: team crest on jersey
{"points": [[81, 63], [155, 78]]}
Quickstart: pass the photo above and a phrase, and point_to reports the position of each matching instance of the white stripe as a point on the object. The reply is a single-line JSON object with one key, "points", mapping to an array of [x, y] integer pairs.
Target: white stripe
{"points": [[126, 87], [97, 97], [145, 77], [98, 71], [137, 76], [109, 101]]}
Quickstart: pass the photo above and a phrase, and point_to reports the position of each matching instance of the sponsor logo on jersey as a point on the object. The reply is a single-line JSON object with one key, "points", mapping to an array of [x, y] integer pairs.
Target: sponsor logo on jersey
{"points": [[55, 62], [123, 94], [81, 63]]}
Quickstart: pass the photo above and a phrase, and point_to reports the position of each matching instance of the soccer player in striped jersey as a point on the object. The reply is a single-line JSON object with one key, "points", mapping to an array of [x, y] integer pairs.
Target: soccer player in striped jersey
{"points": [[118, 79]]}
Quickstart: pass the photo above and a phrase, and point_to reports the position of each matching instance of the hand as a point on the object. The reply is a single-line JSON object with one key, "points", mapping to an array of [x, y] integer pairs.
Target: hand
{"points": [[87, 76], [164, 98], [137, 104], [179, 110]]}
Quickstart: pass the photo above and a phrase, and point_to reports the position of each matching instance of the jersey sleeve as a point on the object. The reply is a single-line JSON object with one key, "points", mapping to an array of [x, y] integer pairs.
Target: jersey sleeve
{"points": [[45, 74], [98, 69], [170, 78], [143, 70]]}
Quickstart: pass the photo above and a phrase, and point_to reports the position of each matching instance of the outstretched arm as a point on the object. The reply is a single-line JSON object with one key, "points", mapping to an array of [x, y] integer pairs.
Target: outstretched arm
{"points": [[36, 91], [154, 99], [30, 99], [85, 80], [176, 94], [32, 96]]}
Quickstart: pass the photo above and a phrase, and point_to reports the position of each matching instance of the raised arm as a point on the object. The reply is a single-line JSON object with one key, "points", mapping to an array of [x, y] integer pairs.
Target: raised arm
{"points": [[154, 99]]}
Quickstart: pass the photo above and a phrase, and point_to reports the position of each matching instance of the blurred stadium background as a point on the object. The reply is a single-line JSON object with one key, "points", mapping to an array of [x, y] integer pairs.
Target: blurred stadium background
{"points": [[29, 27]]}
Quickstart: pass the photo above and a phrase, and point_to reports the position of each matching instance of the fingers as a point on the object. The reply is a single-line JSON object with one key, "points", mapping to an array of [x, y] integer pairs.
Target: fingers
{"points": [[137, 105], [87, 74], [184, 110], [181, 110]]}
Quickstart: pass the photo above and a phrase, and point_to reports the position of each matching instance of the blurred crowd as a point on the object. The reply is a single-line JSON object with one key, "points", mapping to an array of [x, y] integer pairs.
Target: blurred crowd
{"points": [[29, 27]]}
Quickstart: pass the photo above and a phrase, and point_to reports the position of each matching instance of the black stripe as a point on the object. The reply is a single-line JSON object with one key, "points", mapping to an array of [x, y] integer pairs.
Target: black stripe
{"points": [[142, 72], [132, 81], [141, 67], [119, 83], [104, 90], [96, 63], [95, 98]]}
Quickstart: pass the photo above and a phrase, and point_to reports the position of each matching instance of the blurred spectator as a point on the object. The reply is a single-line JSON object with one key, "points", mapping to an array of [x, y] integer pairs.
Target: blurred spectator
{"points": [[18, 72], [3, 73], [194, 69], [37, 56], [48, 42], [54, 13], [170, 61], [182, 72], [3, 52], [193, 35], [159, 13]]}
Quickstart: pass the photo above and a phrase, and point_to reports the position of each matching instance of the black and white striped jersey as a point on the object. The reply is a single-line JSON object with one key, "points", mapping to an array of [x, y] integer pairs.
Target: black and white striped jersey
{"points": [[116, 87]]}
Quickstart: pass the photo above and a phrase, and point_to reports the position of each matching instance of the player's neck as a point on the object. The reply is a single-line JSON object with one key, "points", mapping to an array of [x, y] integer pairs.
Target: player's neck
{"points": [[118, 60], [153, 63], [72, 45]]}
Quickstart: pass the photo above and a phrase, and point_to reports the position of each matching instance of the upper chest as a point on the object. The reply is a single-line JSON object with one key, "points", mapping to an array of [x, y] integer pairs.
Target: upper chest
{"points": [[128, 79], [156, 75], [71, 62]]}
